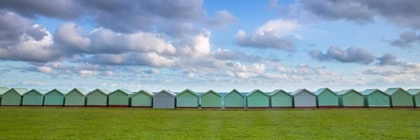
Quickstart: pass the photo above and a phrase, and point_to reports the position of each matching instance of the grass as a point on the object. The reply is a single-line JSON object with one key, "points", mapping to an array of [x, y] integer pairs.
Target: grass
{"points": [[114, 123]]}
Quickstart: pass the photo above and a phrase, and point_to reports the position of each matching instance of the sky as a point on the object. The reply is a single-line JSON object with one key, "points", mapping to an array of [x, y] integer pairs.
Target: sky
{"points": [[215, 44]]}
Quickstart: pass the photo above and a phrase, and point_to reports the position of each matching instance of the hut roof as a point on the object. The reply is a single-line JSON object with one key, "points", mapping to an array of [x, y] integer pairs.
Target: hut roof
{"points": [[321, 90], [370, 91], [211, 92], [20, 91], [145, 92], [80, 90], [233, 91], [255, 91], [414, 91], [103, 91], [125, 91], [279, 91], [39, 91], [3, 90], [343, 92], [189, 91], [391, 91], [167, 92], [61, 91], [300, 91]]}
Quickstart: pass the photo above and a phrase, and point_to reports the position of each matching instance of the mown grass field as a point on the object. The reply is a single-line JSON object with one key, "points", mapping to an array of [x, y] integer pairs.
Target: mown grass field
{"points": [[117, 123]]}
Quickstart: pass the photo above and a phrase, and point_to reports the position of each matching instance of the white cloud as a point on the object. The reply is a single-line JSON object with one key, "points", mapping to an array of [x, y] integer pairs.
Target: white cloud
{"points": [[69, 34], [147, 42], [190, 75], [222, 18], [274, 34], [154, 71], [45, 69], [349, 55], [31, 49], [87, 73], [197, 46]]}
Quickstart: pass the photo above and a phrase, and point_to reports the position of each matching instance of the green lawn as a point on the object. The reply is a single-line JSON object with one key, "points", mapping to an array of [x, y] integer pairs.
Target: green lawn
{"points": [[114, 123]]}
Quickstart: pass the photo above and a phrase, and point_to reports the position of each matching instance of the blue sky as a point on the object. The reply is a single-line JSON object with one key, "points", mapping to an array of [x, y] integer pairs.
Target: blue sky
{"points": [[203, 45]]}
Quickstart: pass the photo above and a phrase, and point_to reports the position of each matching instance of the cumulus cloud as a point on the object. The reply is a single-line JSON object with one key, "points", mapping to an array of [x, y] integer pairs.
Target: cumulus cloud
{"points": [[225, 54], [189, 74], [350, 55], [70, 36], [29, 49], [12, 27], [389, 59], [383, 72], [59, 68], [45, 69], [140, 15], [130, 58], [406, 40], [87, 73], [174, 34], [243, 71], [340, 10], [153, 71], [61, 9], [132, 15], [399, 12], [273, 34], [222, 18]]}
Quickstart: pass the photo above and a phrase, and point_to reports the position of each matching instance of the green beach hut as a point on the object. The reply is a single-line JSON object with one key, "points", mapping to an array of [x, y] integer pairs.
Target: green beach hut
{"points": [[400, 98], [2, 91], [75, 98], [187, 99], [234, 99], [142, 98], [211, 99], [97, 98], [416, 96], [55, 97], [376, 98], [13, 97], [350, 99], [119, 98], [34, 97], [281, 99], [257, 99], [326, 98]]}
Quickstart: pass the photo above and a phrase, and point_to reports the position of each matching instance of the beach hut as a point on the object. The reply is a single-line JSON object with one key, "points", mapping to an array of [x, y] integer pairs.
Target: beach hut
{"points": [[187, 99], [97, 98], [234, 99], [13, 97], [350, 99], [2, 91], [303, 98], [326, 98], [34, 97], [75, 98], [119, 98], [257, 99], [142, 98], [164, 99], [400, 98], [416, 96], [55, 97], [281, 99], [375, 98], [211, 99]]}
